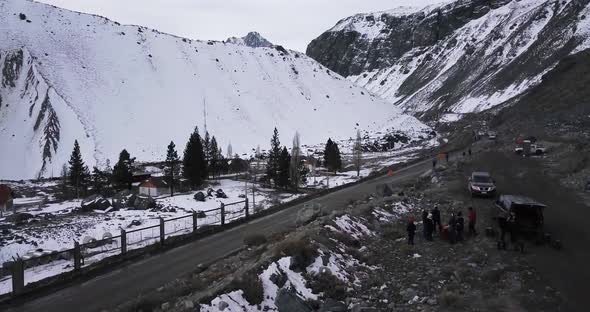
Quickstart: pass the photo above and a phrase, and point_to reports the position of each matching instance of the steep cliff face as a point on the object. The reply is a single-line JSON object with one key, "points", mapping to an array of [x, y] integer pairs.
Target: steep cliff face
{"points": [[67, 76], [457, 58], [30, 125]]}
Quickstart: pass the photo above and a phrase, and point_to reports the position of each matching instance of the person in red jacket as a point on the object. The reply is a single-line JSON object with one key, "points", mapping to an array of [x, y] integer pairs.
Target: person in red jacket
{"points": [[472, 216]]}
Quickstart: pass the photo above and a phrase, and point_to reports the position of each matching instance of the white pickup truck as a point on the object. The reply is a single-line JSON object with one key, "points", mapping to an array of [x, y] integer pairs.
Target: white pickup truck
{"points": [[535, 149]]}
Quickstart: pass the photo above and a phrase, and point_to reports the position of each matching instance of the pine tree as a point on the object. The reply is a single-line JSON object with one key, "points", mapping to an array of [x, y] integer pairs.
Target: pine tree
{"points": [[332, 158], [78, 171], [284, 163], [272, 168], [101, 180], [295, 167], [172, 166], [123, 171], [358, 152], [213, 157], [193, 161], [207, 151]]}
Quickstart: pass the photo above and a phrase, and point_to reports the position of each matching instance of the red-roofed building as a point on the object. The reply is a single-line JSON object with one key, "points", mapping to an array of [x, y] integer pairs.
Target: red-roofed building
{"points": [[154, 186]]}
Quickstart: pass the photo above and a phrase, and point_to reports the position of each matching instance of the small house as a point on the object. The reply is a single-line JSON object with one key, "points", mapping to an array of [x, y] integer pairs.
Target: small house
{"points": [[154, 186]]}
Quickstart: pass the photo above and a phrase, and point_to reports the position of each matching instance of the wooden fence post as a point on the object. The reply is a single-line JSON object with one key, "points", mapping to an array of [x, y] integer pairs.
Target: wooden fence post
{"points": [[123, 242], [195, 218], [77, 256], [162, 231], [18, 277], [247, 211], [222, 214]]}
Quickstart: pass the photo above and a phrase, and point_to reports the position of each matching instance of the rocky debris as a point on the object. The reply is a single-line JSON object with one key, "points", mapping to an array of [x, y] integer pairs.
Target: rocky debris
{"points": [[199, 196], [19, 217], [220, 194], [331, 305], [144, 202], [124, 199], [95, 202], [134, 223], [288, 301]]}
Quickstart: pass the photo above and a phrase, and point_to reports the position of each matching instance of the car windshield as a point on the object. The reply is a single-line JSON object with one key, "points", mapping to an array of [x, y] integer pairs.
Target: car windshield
{"points": [[482, 179]]}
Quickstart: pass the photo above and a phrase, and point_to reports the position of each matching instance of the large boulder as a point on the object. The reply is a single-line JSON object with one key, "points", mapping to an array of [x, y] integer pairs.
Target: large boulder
{"points": [[220, 194], [308, 213], [19, 217], [95, 202], [124, 199], [199, 196], [144, 202], [331, 305], [288, 301], [384, 190]]}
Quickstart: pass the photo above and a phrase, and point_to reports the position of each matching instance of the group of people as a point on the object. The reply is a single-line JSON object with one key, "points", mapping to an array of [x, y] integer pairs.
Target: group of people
{"points": [[453, 231]]}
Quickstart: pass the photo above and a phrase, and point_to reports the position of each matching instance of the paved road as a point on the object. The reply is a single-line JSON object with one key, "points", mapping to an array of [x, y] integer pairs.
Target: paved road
{"points": [[116, 287]]}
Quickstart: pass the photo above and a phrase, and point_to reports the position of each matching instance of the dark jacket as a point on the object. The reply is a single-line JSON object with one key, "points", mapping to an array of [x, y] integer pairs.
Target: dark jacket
{"points": [[411, 228], [460, 223], [436, 215]]}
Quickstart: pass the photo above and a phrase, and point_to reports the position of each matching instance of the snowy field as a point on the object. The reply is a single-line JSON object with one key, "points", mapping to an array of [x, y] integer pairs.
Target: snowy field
{"points": [[57, 227]]}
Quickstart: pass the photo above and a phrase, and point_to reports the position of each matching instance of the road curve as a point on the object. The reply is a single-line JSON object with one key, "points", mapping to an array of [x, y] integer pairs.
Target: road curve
{"points": [[129, 281]]}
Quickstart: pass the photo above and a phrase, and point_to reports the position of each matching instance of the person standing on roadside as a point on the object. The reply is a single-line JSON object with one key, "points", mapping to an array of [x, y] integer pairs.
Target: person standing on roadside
{"points": [[472, 217], [469, 152], [434, 163], [452, 226], [411, 229], [424, 222], [447, 156], [512, 228], [436, 218], [429, 227], [460, 226]]}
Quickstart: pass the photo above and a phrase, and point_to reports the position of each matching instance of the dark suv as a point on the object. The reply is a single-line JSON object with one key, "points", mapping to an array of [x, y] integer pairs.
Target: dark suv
{"points": [[481, 184]]}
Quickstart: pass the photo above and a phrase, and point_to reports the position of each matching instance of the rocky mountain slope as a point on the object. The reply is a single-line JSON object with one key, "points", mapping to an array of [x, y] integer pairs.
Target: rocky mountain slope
{"points": [[252, 39], [67, 75], [459, 57]]}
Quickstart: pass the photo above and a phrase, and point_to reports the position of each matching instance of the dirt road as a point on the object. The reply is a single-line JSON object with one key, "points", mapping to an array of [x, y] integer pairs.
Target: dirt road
{"points": [[567, 218]]}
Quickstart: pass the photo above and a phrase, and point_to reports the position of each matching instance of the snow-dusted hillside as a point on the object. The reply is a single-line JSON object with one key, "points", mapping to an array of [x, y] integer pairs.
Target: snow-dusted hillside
{"points": [[67, 76], [459, 57]]}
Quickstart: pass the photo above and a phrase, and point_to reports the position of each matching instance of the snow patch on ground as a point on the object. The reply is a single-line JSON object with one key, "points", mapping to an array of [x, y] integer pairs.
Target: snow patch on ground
{"points": [[237, 303], [354, 228]]}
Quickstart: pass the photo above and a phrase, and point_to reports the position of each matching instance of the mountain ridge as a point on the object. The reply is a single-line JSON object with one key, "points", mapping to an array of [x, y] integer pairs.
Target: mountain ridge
{"points": [[461, 57], [113, 86]]}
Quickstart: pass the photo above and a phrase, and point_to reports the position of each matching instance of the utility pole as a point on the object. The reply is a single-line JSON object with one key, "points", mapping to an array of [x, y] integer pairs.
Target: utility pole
{"points": [[205, 114]]}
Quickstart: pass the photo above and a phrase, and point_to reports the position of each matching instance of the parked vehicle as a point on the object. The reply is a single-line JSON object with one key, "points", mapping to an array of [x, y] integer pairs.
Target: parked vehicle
{"points": [[529, 148], [481, 184], [492, 135], [528, 213]]}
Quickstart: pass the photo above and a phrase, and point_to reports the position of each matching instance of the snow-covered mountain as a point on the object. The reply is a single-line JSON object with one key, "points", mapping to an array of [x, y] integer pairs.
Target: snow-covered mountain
{"points": [[252, 39], [459, 57], [67, 75]]}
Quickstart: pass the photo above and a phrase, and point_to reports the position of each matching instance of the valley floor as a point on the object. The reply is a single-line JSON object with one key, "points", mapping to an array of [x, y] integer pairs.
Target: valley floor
{"points": [[356, 256], [55, 226]]}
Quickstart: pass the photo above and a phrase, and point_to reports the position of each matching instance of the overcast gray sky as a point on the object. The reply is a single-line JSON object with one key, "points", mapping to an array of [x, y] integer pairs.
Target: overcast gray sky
{"points": [[292, 23]]}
